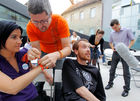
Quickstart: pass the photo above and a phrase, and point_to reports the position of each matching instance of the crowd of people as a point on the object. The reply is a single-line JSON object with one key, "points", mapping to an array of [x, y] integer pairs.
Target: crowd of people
{"points": [[49, 41]]}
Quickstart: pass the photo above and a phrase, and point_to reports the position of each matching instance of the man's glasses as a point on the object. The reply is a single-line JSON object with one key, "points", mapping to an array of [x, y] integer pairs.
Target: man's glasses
{"points": [[41, 21]]}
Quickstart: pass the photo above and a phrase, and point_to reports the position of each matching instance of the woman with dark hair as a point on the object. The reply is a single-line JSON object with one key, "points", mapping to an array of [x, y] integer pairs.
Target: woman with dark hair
{"points": [[15, 77], [96, 40]]}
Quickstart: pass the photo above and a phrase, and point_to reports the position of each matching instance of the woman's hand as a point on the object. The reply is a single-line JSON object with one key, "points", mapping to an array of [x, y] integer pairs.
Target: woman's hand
{"points": [[101, 56], [33, 54], [92, 46]]}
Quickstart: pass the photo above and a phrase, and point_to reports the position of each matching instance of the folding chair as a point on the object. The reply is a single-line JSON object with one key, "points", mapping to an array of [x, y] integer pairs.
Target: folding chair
{"points": [[135, 73]]}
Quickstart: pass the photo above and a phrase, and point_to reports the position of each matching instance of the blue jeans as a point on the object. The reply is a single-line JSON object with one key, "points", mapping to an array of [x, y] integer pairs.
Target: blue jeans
{"points": [[103, 58]]}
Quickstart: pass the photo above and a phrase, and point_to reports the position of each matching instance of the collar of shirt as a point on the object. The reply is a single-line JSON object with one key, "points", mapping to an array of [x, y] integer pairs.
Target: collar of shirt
{"points": [[119, 31]]}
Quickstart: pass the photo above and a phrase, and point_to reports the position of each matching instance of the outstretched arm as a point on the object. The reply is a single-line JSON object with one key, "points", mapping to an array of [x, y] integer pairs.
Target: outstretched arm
{"points": [[13, 86], [50, 59], [131, 43], [48, 77], [111, 45]]}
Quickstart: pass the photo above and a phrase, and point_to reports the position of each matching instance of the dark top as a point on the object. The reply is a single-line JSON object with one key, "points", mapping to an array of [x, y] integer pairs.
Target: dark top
{"points": [[75, 75], [29, 92], [92, 41]]}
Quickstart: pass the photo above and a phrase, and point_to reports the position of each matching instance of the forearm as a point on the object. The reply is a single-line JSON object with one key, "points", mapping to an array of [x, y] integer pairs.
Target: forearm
{"points": [[48, 77], [131, 43], [23, 81], [86, 94], [112, 47], [66, 51]]}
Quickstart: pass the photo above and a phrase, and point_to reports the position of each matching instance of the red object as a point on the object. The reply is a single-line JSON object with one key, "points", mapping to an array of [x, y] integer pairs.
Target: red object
{"points": [[24, 58]]}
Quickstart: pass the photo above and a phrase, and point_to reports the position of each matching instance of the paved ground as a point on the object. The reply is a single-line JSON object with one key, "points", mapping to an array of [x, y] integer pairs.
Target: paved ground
{"points": [[114, 94]]}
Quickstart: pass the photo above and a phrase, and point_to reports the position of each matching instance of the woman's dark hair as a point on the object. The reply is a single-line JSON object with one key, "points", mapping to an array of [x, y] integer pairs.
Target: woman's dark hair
{"points": [[113, 22], [6, 28]]}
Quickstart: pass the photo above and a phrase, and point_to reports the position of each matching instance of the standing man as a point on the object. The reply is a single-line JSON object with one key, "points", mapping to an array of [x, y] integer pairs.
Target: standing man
{"points": [[82, 82], [49, 33], [120, 35]]}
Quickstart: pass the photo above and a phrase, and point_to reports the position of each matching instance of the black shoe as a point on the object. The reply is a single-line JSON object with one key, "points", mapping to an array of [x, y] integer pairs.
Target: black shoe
{"points": [[125, 93], [109, 86]]}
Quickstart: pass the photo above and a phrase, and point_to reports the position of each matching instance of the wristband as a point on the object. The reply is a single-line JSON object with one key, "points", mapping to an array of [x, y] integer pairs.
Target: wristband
{"points": [[61, 54], [42, 68]]}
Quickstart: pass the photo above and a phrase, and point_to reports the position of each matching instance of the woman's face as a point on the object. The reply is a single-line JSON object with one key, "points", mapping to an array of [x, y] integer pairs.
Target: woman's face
{"points": [[13, 42], [100, 35]]}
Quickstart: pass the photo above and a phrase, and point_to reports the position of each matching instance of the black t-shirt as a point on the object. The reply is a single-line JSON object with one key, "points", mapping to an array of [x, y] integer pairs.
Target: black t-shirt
{"points": [[92, 41], [75, 75]]}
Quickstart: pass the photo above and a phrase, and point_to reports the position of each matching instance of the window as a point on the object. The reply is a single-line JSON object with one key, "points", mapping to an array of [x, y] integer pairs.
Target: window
{"points": [[81, 15], [11, 15], [139, 24], [21, 18], [92, 12], [68, 20], [91, 32], [121, 11], [139, 8], [72, 17]]}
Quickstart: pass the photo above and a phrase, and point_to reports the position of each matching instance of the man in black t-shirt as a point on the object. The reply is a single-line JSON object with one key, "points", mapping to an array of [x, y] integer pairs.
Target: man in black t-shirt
{"points": [[81, 82]]}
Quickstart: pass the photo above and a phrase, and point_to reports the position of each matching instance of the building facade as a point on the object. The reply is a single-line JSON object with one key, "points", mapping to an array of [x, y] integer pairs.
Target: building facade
{"points": [[85, 16], [14, 11]]}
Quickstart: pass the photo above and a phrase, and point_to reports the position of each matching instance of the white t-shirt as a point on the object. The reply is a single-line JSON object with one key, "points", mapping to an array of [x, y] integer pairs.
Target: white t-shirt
{"points": [[74, 39]]}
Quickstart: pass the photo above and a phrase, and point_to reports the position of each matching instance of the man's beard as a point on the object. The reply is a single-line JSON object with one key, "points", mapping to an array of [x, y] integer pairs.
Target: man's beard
{"points": [[84, 57], [43, 28]]}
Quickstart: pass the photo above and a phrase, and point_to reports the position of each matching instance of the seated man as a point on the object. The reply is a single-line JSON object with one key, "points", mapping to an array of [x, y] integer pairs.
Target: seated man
{"points": [[81, 82]]}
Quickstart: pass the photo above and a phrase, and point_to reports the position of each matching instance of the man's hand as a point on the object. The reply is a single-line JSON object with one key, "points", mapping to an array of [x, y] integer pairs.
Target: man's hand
{"points": [[101, 56], [92, 46], [33, 54], [49, 60]]}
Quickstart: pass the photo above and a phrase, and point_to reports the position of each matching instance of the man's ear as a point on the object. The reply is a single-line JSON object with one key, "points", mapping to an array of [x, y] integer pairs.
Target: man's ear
{"points": [[76, 52]]}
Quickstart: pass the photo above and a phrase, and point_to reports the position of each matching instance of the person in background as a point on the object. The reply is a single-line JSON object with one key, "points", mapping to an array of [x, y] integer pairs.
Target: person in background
{"points": [[49, 33], [81, 82], [74, 37], [96, 40], [24, 40], [15, 74], [27, 44], [123, 35]]}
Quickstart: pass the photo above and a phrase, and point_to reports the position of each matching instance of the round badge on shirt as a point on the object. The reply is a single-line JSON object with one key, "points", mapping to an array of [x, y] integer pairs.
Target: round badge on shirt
{"points": [[25, 66]]}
